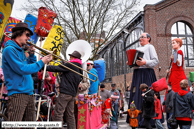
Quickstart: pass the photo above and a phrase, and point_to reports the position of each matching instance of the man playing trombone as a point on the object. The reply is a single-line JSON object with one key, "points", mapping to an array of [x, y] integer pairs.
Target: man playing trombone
{"points": [[17, 71], [68, 89]]}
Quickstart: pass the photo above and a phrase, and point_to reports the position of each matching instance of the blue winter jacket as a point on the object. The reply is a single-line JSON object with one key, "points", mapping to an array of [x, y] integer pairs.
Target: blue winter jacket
{"points": [[184, 104], [17, 69], [93, 85]]}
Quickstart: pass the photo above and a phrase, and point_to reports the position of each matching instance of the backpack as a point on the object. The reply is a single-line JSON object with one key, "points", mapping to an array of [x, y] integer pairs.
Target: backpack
{"points": [[99, 65]]}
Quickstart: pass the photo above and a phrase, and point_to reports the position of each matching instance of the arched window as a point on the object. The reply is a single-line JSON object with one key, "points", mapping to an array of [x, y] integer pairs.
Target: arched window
{"points": [[182, 30]]}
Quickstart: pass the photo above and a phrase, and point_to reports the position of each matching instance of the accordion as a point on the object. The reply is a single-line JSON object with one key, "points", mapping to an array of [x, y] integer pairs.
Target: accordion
{"points": [[133, 55]]}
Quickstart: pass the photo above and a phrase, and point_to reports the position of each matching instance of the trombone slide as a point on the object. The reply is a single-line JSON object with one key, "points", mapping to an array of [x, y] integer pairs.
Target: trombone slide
{"points": [[58, 57]]}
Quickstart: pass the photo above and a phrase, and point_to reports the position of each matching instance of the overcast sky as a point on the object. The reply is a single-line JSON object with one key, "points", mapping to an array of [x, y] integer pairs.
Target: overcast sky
{"points": [[20, 14]]}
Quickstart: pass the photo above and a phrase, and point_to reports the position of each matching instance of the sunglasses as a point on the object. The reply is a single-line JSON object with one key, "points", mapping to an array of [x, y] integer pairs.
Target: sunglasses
{"points": [[28, 34], [90, 64], [143, 37]]}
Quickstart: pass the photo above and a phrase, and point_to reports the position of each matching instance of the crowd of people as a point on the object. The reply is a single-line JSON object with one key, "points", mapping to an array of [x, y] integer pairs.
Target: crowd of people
{"points": [[147, 102], [22, 75]]}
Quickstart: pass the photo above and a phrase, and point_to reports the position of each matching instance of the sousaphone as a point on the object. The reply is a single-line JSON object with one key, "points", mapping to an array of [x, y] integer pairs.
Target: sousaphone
{"points": [[82, 46]]}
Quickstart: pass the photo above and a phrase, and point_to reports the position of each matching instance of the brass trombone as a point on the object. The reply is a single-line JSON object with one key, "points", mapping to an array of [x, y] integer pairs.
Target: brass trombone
{"points": [[54, 55]]}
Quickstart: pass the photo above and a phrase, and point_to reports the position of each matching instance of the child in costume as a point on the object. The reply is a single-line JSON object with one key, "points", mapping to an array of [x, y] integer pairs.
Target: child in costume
{"points": [[133, 113], [109, 113], [106, 109]]}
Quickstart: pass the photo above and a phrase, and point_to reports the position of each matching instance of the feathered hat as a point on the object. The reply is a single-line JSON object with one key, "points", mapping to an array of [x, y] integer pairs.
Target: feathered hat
{"points": [[132, 105]]}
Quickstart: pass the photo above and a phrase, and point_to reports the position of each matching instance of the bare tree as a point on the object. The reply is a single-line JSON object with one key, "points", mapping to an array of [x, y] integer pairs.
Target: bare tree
{"points": [[85, 19]]}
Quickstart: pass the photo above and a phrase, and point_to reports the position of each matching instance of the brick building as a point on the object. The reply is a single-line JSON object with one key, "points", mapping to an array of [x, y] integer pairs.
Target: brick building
{"points": [[164, 21]]}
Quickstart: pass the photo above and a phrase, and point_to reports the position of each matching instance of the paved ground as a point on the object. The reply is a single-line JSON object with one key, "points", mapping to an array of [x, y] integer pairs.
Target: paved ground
{"points": [[123, 125]]}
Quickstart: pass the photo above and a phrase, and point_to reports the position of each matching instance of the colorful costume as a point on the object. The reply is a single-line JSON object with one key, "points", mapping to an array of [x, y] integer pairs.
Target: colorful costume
{"points": [[177, 74], [48, 85], [106, 108], [143, 74], [133, 117]]}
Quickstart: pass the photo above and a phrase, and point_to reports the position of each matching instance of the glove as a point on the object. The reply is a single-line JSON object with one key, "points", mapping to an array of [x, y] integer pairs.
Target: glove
{"points": [[157, 114]]}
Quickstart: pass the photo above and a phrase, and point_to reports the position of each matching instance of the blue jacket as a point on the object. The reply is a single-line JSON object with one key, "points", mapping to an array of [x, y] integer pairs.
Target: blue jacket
{"points": [[17, 69], [93, 85], [184, 104]]}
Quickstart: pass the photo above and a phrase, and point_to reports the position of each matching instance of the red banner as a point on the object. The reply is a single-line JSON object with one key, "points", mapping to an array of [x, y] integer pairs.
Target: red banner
{"points": [[45, 21], [83, 121], [95, 118]]}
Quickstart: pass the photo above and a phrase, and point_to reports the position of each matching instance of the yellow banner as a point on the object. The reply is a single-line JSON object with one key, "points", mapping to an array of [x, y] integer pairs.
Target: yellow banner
{"points": [[54, 41], [54, 63], [5, 12]]}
